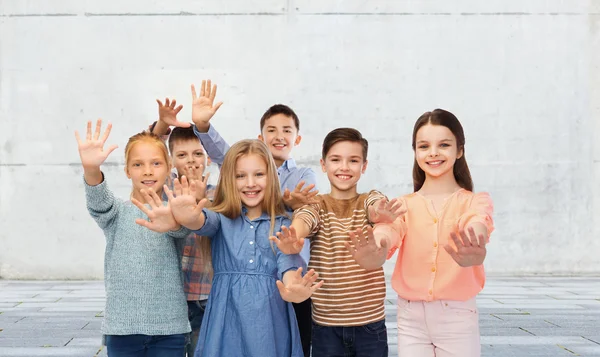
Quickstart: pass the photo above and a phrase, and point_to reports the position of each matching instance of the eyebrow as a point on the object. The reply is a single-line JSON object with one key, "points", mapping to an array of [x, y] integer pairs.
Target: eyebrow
{"points": [[425, 141], [274, 127]]}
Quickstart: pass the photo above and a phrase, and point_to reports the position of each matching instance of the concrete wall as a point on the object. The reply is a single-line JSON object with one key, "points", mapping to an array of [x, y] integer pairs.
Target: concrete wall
{"points": [[523, 77]]}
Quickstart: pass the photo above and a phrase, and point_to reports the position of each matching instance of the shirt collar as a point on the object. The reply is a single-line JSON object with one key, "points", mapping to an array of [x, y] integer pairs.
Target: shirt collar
{"points": [[288, 164]]}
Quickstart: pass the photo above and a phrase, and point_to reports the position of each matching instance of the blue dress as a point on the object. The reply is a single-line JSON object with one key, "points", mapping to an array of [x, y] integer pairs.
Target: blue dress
{"points": [[245, 314]]}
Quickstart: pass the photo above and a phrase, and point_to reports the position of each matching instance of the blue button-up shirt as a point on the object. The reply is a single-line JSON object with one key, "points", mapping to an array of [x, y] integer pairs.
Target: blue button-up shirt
{"points": [[290, 175]]}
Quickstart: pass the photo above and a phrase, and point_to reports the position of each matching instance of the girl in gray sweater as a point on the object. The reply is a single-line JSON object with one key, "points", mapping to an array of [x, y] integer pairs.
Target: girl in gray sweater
{"points": [[146, 310]]}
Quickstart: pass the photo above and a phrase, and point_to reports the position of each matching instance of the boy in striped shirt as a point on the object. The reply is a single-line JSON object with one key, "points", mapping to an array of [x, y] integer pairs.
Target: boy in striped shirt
{"points": [[348, 310]]}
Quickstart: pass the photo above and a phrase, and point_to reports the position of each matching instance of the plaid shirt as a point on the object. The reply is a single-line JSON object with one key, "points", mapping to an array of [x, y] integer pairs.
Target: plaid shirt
{"points": [[197, 282]]}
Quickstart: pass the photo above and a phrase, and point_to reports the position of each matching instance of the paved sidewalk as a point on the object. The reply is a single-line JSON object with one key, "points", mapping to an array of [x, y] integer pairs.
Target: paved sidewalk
{"points": [[533, 316]]}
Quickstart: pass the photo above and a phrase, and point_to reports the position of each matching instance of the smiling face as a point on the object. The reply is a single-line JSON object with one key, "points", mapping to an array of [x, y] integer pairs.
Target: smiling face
{"points": [[344, 165], [436, 150], [251, 182], [147, 167], [281, 135]]}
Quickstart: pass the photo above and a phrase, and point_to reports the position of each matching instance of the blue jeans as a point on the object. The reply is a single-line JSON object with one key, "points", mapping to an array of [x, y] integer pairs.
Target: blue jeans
{"points": [[356, 341], [195, 315], [145, 346]]}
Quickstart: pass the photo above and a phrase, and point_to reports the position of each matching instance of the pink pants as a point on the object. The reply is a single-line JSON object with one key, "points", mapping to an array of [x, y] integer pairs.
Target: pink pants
{"points": [[442, 328]]}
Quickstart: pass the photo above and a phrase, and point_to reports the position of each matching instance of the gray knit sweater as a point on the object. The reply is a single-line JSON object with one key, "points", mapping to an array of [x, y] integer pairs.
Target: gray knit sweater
{"points": [[142, 270]]}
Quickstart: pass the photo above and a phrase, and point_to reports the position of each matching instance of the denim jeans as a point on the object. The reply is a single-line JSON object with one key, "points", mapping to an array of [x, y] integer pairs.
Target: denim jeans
{"points": [[195, 315], [356, 341], [145, 346]]}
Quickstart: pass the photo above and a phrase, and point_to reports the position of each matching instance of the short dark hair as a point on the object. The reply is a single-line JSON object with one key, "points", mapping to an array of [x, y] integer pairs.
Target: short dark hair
{"points": [[345, 134], [181, 134], [280, 109]]}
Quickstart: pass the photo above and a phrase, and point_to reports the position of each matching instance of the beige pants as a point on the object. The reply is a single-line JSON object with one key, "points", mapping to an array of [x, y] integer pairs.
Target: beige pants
{"points": [[443, 328]]}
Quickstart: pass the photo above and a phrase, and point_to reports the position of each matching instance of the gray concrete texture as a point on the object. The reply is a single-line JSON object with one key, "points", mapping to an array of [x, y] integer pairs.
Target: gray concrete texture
{"points": [[519, 316], [522, 76]]}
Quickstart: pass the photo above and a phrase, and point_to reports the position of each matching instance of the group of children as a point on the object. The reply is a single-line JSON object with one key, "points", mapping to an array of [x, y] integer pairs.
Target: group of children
{"points": [[268, 266]]}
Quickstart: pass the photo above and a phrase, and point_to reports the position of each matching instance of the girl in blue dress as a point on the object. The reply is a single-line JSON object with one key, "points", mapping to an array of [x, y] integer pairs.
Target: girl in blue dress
{"points": [[248, 311]]}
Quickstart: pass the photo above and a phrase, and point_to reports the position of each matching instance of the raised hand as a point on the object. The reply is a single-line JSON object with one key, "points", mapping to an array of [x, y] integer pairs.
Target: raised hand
{"points": [[91, 150], [287, 241], [167, 113], [195, 176], [183, 204], [297, 288], [365, 250], [300, 196], [386, 212], [160, 217], [202, 106], [470, 250]]}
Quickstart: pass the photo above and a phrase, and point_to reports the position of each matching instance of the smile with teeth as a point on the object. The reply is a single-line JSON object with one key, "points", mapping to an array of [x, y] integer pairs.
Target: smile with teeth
{"points": [[149, 182], [279, 146], [435, 163], [344, 177], [251, 194]]}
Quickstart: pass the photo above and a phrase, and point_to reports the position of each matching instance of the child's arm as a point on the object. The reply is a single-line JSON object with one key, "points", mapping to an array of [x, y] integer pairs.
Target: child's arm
{"points": [[383, 211], [167, 116], [202, 111], [295, 288], [101, 203], [305, 224], [477, 222]]}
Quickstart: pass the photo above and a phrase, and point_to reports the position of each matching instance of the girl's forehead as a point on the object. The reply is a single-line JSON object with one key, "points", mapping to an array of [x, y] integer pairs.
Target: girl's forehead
{"points": [[250, 160], [434, 132], [146, 149]]}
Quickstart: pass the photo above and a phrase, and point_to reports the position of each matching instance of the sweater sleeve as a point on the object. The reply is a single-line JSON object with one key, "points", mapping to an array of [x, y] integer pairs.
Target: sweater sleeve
{"points": [[102, 205], [480, 210], [395, 232], [309, 214], [287, 262]]}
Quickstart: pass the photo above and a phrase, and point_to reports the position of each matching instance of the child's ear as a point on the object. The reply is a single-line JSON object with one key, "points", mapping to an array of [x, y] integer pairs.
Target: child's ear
{"points": [[460, 153], [260, 137], [127, 172], [208, 161], [323, 165], [364, 168], [298, 140]]}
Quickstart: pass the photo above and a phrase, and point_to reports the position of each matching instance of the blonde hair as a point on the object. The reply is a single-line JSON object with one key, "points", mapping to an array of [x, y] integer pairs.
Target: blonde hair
{"points": [[148, 137], [227, 199]]}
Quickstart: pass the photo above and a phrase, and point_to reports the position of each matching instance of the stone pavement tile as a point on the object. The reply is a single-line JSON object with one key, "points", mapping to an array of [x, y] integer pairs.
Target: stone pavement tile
{"points": [[48, 352], [8, 320], [520, 351], [50, 332], [61, 303], [504, 331], [595, 337], [33, 341], [51, 313], [29, 299], [86, 342], [534, 340], [72, 309], [561, 331]]}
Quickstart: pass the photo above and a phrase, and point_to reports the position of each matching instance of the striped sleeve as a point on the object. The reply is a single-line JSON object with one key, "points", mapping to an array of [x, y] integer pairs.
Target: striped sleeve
{"points": [[309, 214]]}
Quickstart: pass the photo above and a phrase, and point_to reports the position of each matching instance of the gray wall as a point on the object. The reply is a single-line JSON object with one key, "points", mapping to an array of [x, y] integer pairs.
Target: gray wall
{"points": [[522, 76]]}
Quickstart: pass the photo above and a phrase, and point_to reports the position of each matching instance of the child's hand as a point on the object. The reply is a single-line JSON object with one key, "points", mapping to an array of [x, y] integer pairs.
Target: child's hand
{"points": [[297, 288], [301, 196], [186, 211], [91, 151], [366, 252], [160, 217], [470, 251], [195, 177], [287, 241], [167, 113], [202, 106], [386, 212]]}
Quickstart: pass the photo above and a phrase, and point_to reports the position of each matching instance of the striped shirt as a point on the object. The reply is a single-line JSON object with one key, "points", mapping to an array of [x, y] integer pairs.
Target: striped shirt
{"points": [[351, 295]]}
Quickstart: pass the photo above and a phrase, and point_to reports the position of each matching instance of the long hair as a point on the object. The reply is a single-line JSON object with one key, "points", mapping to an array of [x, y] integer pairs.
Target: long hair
{"points": [[460, 169], [227, 199]]}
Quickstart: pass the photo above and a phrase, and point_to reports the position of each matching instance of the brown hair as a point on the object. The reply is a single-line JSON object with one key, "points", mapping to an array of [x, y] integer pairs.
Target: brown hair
{"points": [[461, 169], [279, 109], [344, 134], [181, 134], [227, 199]]}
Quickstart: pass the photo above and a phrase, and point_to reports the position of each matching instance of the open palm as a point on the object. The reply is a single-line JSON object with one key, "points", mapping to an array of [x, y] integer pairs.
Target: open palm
{"points": [[91, 150], [203, 107], [160, 218], [183, 204], [167, 113]]}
